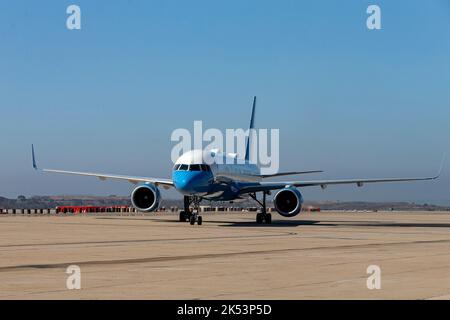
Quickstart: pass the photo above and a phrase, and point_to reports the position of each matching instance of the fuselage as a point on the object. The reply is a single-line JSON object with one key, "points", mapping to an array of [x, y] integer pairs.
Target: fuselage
{"points": [[213, 175]]}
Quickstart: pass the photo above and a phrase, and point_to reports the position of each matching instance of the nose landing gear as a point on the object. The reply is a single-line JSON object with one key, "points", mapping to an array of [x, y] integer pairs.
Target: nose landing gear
{"points": [[192, 216], [196, 218]]}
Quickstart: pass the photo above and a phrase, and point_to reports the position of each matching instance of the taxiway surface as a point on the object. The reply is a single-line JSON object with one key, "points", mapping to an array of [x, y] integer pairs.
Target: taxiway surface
{"points": [[313, 256]]}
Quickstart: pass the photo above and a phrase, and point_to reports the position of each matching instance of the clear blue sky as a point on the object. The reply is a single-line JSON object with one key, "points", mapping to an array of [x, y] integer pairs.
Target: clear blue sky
{"points": [[353, 102]]}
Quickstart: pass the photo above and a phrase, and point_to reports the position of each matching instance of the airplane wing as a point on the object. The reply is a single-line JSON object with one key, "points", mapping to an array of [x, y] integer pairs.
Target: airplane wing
{"points": [[166, 183], [269, 186]]}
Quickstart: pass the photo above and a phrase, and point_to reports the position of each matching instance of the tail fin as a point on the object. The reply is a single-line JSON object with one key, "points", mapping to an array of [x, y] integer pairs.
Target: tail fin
{"points": [[252, 126]]}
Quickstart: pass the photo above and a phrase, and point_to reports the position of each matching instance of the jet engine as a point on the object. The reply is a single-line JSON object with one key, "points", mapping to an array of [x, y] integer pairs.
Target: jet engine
{"points": [[288, 202], [146, 197]]}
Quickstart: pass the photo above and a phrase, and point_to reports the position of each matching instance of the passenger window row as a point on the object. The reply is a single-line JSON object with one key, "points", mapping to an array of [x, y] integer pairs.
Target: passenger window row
{"points": [[192, 167]]}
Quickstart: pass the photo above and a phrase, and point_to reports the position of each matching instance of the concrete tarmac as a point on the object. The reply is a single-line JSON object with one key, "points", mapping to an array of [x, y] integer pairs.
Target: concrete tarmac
{"points": [[313, 256]]}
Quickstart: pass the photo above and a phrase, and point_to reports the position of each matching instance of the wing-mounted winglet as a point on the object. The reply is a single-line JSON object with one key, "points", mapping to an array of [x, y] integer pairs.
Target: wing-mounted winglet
{"points": [[442, 166], [33, 158]]}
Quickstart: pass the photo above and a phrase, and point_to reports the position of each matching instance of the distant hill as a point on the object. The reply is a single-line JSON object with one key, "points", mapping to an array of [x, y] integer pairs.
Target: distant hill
{"points": [[45, 202]]}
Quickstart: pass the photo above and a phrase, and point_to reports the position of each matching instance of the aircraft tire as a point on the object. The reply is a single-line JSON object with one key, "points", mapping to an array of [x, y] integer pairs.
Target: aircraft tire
{"points": [[199, 220], [259, 218]]}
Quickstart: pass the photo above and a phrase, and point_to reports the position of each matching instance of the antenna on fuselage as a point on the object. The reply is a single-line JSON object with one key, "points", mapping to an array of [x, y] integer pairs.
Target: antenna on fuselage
{"points": [[252, 126]]}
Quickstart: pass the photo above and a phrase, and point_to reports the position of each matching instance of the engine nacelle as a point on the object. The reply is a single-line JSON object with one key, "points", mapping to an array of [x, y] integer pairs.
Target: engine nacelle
{"points": [[146, 197], [288, 202]]}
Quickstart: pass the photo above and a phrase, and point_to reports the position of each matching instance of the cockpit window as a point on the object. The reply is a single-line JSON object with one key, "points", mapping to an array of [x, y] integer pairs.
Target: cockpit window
{"points": [[192, 167]]}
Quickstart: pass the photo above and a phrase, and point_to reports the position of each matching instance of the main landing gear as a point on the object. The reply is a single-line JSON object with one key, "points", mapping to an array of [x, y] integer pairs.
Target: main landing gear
{"points": [[263, 216], [189, 215]]}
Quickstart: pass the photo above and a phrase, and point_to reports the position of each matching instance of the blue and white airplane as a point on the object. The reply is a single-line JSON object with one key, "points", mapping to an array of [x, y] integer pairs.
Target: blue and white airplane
{"points": [[221, 181]]}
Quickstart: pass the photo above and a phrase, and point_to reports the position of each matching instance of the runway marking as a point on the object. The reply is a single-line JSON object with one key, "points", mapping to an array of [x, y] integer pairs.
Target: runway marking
{"points": [[210, 256], [281, 234]]}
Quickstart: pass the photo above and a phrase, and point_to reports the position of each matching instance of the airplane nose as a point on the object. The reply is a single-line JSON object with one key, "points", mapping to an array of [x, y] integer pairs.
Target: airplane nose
{"points": [[188, 182], [182, 183]]}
